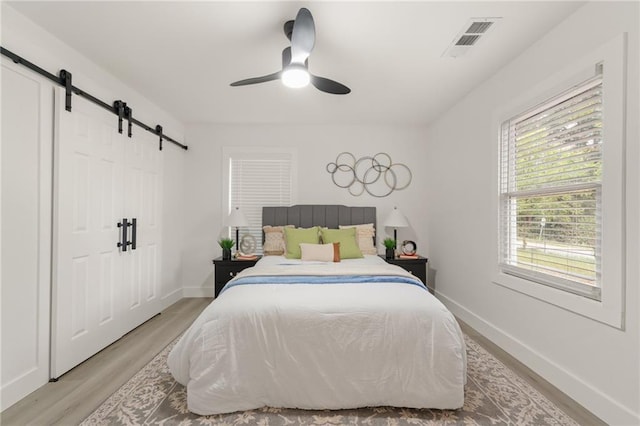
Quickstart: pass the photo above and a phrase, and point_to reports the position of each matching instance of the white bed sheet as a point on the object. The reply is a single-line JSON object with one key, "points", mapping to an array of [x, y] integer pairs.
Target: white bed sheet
{"points": [[327, 346]]}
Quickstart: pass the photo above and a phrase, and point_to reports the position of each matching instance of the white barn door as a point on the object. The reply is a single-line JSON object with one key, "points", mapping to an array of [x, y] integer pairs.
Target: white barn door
{"points": [[95, 282]]}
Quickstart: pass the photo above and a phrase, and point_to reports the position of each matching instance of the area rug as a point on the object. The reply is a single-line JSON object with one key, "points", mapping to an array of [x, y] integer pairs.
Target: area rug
{"points": [[494, 395]]}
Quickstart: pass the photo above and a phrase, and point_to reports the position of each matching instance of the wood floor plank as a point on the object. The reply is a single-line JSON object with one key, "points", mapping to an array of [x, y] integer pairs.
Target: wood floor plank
{"points": [[79, 392], [563, 401]]}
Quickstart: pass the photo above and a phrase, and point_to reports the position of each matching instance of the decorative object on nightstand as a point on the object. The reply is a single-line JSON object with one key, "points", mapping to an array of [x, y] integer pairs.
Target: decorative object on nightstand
{"points": [[237, 219], [395, 220], [226, 244], [225, 269], [390, 248], [408, 248], [248, 245]]}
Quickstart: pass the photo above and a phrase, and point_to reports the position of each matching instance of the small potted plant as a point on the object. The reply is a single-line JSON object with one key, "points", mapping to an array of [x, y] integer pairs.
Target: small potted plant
{"points": [[390, 245], [227, 245]]}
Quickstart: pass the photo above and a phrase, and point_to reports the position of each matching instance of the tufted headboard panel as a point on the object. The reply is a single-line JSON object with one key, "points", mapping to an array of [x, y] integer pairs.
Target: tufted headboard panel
{"points": [[308, 215]]}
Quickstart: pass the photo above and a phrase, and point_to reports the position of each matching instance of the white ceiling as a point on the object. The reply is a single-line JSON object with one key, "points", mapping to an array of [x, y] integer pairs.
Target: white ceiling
{"points": [[183, 55]]}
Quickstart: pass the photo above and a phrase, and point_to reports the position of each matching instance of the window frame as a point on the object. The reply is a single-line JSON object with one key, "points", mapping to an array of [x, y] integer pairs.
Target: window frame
{"points": [[509, 196], [610, 308], [258, 153]]}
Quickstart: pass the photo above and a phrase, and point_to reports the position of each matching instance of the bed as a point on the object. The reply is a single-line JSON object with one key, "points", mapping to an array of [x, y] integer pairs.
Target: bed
{"points": [[321, 335]]}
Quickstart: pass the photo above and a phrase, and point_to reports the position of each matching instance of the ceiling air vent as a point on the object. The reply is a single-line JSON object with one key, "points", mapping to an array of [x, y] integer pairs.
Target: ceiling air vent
{"points": [[469, 36], [467, 40], [479, 27]]}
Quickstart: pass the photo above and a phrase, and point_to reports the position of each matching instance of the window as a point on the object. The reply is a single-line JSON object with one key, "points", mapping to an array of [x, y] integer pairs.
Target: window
{"points": [[560, 173], [257, 179], [551, 191]]}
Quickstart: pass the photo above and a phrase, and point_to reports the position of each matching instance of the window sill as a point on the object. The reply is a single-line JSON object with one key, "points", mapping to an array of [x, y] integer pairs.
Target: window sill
{"points": [[602, 311]]}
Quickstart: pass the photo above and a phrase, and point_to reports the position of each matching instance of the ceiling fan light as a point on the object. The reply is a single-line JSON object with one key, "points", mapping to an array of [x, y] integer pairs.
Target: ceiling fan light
{"points": [[295, 76]]}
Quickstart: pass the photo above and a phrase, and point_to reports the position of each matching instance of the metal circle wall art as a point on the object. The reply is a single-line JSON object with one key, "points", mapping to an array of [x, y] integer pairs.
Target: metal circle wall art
{"points": [[379, 176]]}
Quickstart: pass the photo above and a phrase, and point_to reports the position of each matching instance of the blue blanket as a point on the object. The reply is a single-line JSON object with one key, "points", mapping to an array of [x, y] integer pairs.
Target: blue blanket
{"points": [[323, 279]]}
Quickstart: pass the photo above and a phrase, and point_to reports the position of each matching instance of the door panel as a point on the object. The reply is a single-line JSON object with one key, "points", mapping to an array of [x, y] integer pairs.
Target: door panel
{"points": [[101, 291], [88, 205], [142, 168], [107, 283]]}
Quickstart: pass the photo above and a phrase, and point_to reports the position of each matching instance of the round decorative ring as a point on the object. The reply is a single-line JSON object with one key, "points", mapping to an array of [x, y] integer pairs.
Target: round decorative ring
{"points": [[409, 175], [390, 187], [380, 166], [332, 167], [356, 189], [346, 158], [358, 167], [353, 177], [247, 245]]}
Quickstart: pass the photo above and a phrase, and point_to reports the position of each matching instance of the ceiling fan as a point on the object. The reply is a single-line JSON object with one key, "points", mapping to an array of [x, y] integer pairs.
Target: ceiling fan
{"points": [[295, 59]]}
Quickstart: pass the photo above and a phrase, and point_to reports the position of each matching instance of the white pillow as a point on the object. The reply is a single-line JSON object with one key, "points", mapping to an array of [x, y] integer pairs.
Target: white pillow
{"points": [[364, 237], [320, 252]]}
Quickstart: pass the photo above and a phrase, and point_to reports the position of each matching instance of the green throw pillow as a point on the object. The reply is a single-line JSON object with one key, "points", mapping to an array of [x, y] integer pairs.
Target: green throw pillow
{"points": [[346, 237], [294, 236]]}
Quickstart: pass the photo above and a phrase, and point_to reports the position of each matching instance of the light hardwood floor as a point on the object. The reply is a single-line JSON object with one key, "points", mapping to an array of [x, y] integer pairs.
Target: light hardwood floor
{"points": [[80, 391], [568, 405], [76, 394]]}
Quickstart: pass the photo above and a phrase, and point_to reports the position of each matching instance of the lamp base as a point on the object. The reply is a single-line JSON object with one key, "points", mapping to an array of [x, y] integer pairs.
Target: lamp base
{"points": [[395, 241]]}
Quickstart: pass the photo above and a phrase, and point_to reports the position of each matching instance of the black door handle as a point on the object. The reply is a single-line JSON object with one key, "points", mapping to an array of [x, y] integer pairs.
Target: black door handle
{"points": [[123, 243], [134, 232]]}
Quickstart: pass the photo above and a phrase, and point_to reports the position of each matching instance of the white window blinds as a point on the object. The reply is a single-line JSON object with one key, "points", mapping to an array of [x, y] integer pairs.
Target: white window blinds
{"points": [[550, 192], [257, 180]]}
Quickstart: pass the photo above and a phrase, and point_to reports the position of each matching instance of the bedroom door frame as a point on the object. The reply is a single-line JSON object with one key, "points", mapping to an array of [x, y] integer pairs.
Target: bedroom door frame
{"points": [[26, 302]]}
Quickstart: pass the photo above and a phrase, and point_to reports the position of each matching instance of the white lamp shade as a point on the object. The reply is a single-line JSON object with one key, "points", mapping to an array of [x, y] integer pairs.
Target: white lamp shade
{"points": [[396, 219], [237, 218]]}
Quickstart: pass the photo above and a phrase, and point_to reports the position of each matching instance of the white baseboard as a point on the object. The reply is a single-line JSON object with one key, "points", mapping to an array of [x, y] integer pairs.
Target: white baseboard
{"points": [[172, 298], [22, 386], [589, 397], [197, 292]]}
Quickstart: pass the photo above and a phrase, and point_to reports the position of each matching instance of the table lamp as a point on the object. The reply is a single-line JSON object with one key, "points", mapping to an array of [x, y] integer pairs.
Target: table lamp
{"points": [[395, 220], [237, 219]]}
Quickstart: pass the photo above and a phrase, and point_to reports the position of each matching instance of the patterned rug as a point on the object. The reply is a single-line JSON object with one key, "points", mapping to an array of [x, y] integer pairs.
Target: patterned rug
{"points": [[494, 395]]}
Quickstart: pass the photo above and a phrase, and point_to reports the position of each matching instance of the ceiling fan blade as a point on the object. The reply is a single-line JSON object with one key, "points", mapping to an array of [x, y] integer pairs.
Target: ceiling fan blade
{"points": [[286, 57], [256, 80], [303, 37], [288, 29], [329, 86]]}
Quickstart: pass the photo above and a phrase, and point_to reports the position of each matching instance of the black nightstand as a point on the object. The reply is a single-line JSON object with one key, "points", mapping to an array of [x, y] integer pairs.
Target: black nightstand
{"points": [[227, 269], [417, 267]]}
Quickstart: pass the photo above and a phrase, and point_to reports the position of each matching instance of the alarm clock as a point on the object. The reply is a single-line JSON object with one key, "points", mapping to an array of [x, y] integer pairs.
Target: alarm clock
{"points": [[247, 245], [409, 247]]}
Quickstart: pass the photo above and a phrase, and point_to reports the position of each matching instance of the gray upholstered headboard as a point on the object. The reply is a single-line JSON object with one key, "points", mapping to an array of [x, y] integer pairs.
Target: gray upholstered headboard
{"points": [[308, 215]]}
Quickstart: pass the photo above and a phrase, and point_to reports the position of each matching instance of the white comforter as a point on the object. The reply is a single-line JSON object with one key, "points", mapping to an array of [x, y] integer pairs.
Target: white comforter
{"points": [[328, 346]]}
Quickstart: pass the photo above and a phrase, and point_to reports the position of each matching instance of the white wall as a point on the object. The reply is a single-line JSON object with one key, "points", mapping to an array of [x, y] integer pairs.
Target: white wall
{"points": [[316, 146], [172, 220], [596, 364], [26, 39]]}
